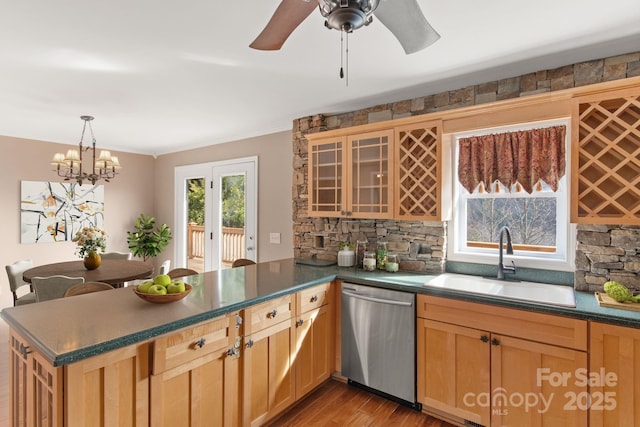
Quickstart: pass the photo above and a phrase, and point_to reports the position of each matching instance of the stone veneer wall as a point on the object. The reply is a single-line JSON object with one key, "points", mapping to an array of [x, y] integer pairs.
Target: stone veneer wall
{"points": [[422, 245], [607, 252]]}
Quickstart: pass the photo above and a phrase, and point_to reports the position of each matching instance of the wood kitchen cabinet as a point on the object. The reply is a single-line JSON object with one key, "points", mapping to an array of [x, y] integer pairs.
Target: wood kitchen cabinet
{"points": [[480, 363], [351, 175], [453, 363], [35, 387], [111, 389], [315, 326], [268, 385], [196, 376], [614, 361], [421, 183], [605, 158]]}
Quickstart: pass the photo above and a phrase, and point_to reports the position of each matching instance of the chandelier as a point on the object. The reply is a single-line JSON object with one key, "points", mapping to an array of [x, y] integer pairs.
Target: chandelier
{"points": [[69, 166]]}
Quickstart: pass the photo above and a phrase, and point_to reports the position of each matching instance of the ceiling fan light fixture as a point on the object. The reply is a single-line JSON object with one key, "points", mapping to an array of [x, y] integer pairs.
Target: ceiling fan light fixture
{"points": [[347, 15]]}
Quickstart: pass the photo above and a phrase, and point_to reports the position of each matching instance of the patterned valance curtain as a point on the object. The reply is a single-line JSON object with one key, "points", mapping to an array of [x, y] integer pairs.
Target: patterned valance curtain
{"points": [[522, 157]]}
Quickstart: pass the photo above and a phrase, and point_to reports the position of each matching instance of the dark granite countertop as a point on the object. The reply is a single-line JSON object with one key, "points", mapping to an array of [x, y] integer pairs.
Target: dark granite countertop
{"points": [[71, 329]]}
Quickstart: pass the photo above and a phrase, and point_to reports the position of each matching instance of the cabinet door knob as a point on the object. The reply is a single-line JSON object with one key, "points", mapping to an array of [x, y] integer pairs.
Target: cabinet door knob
{"points": [[484, 338], [272, 314], [199, 344], [249, 344], [24, 350], [233, 352], [299, 323], [495, 341], [314, 298]]}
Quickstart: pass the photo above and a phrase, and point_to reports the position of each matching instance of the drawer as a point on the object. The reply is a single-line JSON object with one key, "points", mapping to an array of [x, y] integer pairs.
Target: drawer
{"points": [[193, 342], [266, 314], [544, 328], [314, 297]]}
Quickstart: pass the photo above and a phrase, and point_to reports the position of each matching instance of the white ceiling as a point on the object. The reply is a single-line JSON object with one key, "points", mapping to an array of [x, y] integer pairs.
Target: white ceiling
{"points": [[163, 76]]}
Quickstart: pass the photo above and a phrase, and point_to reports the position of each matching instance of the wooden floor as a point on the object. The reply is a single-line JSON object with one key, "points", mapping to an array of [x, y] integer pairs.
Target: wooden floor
{"points": [[338, 404]]}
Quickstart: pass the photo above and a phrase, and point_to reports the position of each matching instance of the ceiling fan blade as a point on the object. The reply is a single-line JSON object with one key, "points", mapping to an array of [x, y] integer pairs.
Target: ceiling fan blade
{"points": [[286, 18], [407, 22]]}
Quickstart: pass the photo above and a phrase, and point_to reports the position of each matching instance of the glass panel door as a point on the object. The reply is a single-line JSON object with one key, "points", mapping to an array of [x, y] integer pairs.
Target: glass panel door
{"points": [[233, 209], [370, 174]]}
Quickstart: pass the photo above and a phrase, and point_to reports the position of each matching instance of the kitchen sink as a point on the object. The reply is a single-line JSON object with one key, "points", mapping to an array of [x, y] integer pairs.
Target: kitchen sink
{"points": [[541, 293]]}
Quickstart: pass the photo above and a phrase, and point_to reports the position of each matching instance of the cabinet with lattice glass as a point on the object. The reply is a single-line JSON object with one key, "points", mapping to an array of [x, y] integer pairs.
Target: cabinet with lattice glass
{"points": [[606, 158], [351, 175], [419, 161]]}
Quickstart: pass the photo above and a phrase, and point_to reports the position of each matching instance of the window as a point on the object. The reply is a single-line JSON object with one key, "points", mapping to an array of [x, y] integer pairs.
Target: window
{"points": [[539, 221]]}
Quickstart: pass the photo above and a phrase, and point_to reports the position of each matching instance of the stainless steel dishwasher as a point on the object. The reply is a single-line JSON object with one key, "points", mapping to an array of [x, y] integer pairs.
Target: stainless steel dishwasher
{"points": [[378, 341]]}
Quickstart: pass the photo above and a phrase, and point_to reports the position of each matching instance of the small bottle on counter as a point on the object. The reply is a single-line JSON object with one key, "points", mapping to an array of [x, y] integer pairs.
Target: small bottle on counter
{"points": [[381, 255], [392, 263], [369, 261]]}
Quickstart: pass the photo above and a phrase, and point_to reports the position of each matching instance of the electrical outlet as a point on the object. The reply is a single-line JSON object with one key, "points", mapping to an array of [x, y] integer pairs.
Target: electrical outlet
{"points": [[274, 238]]}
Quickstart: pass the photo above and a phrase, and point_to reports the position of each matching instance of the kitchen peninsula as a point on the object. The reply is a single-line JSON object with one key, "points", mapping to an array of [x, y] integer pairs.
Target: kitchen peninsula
{"points": [[113, 357]]}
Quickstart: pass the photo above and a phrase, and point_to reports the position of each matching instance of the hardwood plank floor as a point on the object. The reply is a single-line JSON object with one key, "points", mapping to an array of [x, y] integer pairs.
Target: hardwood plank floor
{"points": [[336, 404]]}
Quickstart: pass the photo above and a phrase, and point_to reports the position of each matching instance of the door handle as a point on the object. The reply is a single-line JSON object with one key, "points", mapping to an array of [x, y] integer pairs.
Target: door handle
{"points": [[380, 300]]}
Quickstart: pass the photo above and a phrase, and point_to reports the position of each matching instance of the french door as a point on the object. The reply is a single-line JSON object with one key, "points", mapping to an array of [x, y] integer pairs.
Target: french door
{"points": [[216, 214]]}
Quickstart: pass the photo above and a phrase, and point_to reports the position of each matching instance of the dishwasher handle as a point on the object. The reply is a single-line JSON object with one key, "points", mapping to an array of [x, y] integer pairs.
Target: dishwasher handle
{"points": [[374, 299]]}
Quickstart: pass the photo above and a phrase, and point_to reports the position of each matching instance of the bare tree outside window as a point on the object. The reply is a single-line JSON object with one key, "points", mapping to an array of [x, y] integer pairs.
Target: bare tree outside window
{"points": [[532, 221]]}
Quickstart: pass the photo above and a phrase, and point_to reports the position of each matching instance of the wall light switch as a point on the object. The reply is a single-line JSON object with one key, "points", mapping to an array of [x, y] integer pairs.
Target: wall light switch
{"points": [[274, 238]]}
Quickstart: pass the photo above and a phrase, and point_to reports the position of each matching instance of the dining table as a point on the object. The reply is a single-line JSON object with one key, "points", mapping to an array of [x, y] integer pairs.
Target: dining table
{"points": [[112, 271]]}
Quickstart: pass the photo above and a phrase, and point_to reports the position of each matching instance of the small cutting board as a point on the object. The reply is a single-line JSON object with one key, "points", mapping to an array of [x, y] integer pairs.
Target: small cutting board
{"points": [[605, 300]]}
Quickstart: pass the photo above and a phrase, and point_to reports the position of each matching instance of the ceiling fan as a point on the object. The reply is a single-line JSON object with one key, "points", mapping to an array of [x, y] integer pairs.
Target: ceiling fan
{"points": [[402, 17]]}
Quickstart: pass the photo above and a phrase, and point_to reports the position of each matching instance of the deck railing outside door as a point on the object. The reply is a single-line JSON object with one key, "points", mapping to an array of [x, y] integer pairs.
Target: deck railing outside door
{"points": [[232, 242]]}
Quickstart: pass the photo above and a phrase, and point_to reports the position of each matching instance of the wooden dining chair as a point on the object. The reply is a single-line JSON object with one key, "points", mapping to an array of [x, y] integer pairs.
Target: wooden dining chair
{"points": [[86, 288], [52, 287], [181, 272], [14, 272], [117, 255], [241, 262]]}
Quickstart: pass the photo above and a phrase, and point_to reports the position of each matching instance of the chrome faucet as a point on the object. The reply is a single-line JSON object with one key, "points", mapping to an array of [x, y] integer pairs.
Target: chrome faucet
{"points": [[501, 267]]}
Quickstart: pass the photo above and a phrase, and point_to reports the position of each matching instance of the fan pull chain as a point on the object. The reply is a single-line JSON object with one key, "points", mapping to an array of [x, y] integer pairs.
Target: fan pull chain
{"points": [[344, 56], [341, 54], [347, 59]]}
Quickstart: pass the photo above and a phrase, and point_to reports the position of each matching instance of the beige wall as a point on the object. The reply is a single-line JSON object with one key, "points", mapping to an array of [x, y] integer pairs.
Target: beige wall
{"points": [[29, 160], [145, 185], [274, 187]]}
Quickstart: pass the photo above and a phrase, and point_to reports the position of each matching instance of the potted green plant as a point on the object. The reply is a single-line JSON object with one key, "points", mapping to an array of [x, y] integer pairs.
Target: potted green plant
{"points": [[147, 241], [346, 255]]}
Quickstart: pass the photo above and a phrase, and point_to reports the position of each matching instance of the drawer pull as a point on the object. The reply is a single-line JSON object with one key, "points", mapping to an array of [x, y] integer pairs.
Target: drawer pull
{"points": [[299, 323], [314, 298], [272, 314], [249, 344], [199, 344], [238, 321]]}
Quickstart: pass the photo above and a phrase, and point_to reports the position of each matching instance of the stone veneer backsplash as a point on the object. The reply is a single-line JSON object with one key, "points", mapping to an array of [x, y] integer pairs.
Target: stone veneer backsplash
{"points": [[422, 245], [607, 252]]}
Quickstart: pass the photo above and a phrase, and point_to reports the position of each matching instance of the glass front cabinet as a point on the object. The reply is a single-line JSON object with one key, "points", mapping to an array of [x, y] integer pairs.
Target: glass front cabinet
{"points": [[352, 176]]}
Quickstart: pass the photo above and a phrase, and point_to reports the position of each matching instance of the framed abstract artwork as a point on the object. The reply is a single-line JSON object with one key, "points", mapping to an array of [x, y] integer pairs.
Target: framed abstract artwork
{"points": [[55, 211]]}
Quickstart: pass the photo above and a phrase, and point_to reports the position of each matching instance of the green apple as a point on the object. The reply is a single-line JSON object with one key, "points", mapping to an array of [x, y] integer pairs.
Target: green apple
{"points": [[157, 290], [162, 279], [144, 286], [176, 286]]}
